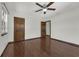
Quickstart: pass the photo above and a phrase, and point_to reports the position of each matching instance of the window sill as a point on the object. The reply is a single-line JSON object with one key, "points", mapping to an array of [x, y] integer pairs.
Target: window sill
{"points": [[4, 34]]}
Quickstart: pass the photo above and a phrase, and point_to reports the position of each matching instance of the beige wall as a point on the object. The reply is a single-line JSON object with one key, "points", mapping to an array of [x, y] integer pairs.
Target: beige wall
{"points": [[6, 38], [65, 25]]}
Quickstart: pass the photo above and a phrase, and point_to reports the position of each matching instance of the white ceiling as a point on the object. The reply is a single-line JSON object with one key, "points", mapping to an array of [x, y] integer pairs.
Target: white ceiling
{"points": [[29, 8]]}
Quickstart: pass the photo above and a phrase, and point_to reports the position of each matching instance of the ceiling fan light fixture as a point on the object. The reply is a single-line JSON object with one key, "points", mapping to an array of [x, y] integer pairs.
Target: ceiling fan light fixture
{"points": [[44, 9]]}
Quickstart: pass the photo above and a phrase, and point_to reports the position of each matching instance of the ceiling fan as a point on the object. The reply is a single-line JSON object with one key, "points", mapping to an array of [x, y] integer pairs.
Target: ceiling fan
{"points": [[45, 7]]}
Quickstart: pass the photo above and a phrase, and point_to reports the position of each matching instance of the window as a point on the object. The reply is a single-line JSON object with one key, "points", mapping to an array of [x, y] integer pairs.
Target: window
{"points": [[4, 20]]}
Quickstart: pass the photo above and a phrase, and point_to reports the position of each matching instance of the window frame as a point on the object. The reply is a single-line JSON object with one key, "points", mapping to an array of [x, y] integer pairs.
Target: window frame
{"points": [[4, 19]]}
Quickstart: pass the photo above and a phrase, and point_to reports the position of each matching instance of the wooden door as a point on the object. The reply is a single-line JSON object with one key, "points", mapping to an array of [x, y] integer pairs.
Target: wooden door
{"points": [[19, 29], [43, 29]]}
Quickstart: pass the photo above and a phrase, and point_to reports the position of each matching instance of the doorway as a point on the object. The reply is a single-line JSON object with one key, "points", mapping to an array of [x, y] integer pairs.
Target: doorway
{"points": [[46, 28], [19, 29], [43, 29], [46, 35]]}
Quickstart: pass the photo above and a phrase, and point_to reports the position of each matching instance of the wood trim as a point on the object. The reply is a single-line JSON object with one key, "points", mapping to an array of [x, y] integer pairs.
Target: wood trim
{"points": [[25, 40], [4, 50], [19, 17], [76, 45], [18, 41], [72, 44]]}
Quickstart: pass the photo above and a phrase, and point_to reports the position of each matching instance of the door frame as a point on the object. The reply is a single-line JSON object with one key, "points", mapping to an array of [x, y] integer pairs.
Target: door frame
{"points": [[14, 29], [50, 25]]}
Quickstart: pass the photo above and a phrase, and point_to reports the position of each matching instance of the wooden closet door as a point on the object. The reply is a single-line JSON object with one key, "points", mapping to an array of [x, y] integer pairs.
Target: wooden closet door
{"points": [[19, 29], [43, 29]]}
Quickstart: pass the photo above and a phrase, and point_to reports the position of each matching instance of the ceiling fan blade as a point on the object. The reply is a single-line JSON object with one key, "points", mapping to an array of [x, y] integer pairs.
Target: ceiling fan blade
{"points": [[44, 12], [39, 10], [51, 9], [39, 5], [49, 4]]}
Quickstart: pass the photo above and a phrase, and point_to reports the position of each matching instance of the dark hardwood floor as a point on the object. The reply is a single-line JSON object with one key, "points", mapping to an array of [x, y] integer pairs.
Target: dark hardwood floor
{"points": [[42, 47]]}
